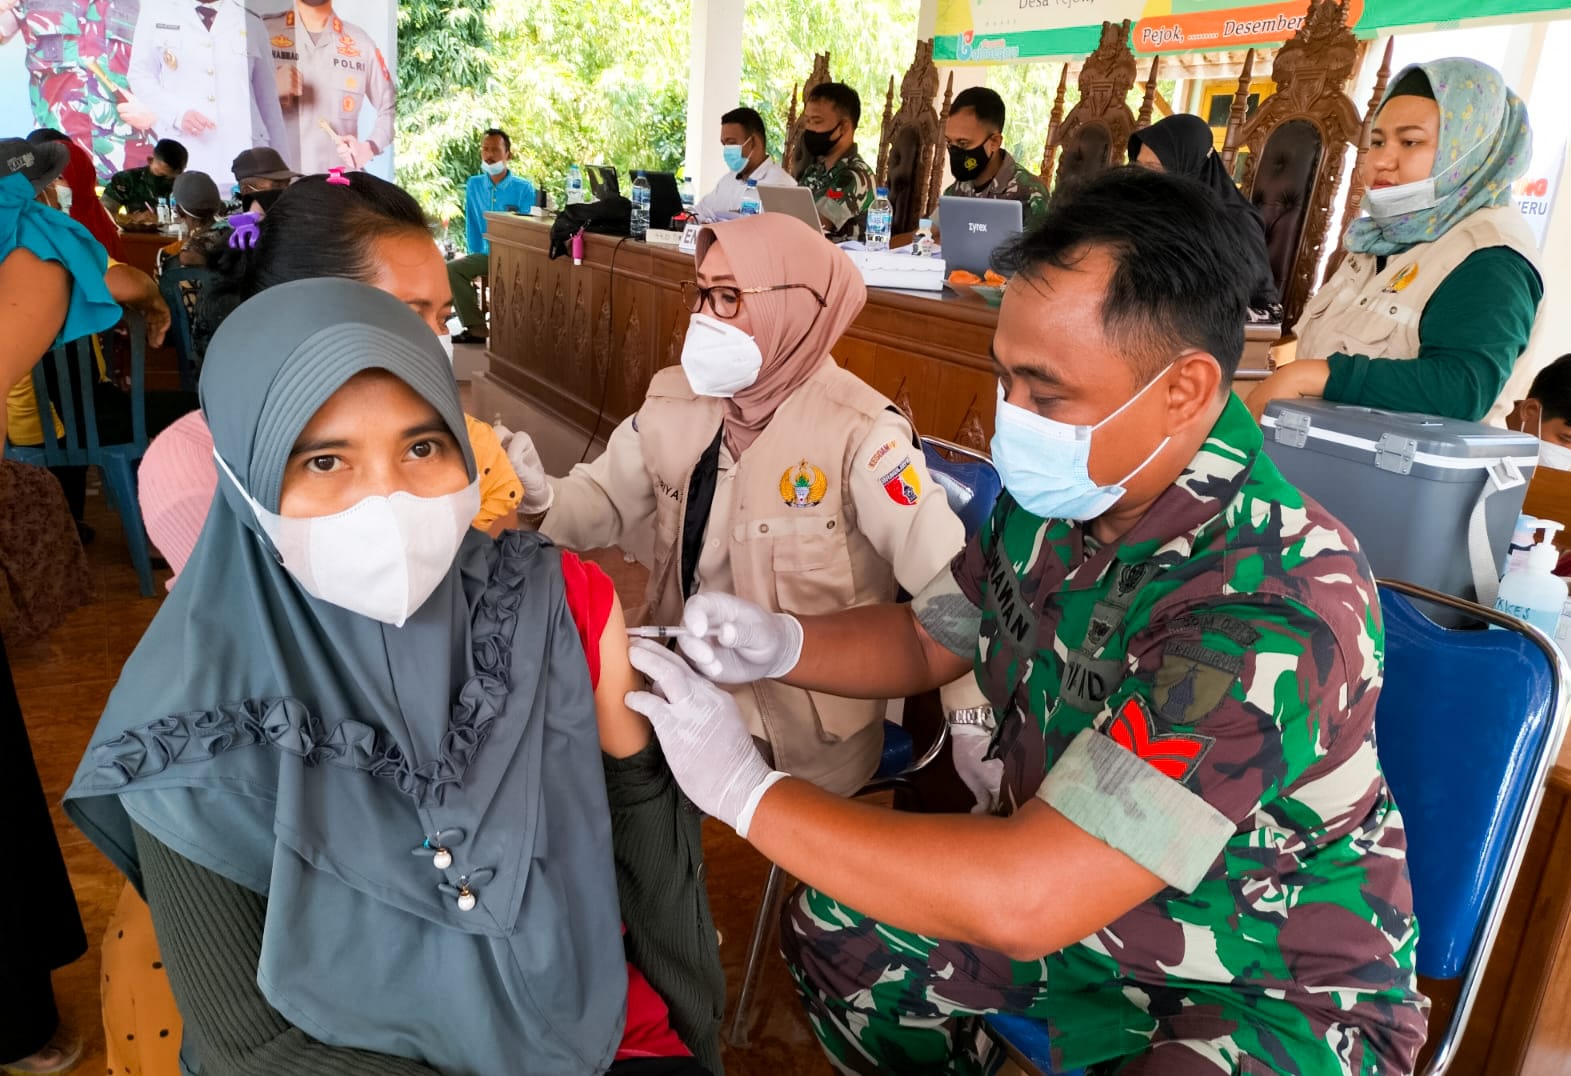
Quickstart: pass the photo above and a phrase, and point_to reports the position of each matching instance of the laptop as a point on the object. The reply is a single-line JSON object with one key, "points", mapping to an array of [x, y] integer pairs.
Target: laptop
{"points": [[602, 181], [975, 227], [794, 201], [665, 199]]}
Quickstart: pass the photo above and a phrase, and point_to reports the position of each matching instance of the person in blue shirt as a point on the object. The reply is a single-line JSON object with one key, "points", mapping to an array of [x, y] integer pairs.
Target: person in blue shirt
{"points": [[494, 190]]}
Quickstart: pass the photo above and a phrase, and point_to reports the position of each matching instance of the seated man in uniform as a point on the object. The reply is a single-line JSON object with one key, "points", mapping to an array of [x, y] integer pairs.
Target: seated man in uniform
{"points": [[138, 190], [746, 147], [841, 181], [1199, 867], [982, 167]]}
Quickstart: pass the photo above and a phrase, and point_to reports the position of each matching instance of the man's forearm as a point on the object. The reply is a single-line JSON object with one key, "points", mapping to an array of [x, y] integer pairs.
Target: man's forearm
{"points": [[871, 652], [1026, 886]]}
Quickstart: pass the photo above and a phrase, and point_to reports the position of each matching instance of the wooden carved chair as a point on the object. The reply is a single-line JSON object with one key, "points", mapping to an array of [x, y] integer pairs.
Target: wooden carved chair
{"points": [[911, 155], [1095, 134], [793, 157], [1296, 143]]}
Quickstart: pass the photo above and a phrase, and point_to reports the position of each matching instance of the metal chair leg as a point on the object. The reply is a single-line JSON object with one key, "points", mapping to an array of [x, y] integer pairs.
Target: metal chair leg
{"points": [[764, 928]]}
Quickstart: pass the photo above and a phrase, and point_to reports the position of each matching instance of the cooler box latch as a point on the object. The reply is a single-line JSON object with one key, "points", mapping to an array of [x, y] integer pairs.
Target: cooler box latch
{"points": [[1292, 428], [1395, 453]]}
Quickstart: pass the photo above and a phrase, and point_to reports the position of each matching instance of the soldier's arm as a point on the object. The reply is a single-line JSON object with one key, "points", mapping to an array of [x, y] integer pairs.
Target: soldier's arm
{"points": [[890, 650], [1228, 706]]}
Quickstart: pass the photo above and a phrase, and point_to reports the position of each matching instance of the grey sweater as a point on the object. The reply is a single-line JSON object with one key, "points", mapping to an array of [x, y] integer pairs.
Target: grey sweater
{"points": [[210, 933]]}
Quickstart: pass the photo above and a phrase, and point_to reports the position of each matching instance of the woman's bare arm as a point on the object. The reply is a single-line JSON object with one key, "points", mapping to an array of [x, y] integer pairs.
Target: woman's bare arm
{"points": [[34, 297], [623, 733]]}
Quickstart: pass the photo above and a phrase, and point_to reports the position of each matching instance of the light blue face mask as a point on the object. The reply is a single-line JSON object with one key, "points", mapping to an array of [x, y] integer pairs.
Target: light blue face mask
{"points": [[735, 159], [493, 168], [1044, 464]]}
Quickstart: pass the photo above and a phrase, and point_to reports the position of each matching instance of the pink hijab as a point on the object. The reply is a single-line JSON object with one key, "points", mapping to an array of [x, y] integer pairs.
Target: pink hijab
{"points": [[794, 333]]}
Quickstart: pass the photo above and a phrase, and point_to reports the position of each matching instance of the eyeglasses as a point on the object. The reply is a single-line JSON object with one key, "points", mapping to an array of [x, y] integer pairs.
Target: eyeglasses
{"points": [[726, 299]]}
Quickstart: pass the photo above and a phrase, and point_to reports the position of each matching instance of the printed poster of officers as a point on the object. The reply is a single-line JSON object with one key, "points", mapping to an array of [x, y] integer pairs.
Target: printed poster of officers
{"points": [[308, 79], [332, 73]]}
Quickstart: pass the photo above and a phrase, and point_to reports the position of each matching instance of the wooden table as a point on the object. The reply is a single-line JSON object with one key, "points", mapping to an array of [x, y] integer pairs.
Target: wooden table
{"points": [[584, 341], [141, 252]]}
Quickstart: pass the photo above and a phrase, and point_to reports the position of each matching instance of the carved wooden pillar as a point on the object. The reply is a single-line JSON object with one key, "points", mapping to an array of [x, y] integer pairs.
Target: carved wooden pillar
{"points": [[881, 176], [1235, 119], [1053, 122], [935, 182], [1355, 185], [1149, 102]]}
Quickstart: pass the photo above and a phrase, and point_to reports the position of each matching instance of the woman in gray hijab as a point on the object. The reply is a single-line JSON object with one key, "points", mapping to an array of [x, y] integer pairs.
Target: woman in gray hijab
{"points": [[355, 765]]}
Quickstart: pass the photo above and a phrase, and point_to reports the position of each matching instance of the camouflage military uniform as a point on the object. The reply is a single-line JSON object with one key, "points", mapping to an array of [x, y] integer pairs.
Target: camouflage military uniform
{"points": [[138, 188], [61, 38], [1204, 702], [844, 193], [1013, 182]]}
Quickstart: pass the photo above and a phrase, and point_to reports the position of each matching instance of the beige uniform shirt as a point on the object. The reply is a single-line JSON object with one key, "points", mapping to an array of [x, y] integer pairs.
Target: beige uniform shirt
{"points": [[341, 69], [611, 499]]}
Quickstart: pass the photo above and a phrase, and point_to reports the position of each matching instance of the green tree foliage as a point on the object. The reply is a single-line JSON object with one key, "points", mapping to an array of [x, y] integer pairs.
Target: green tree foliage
{"points": [[606, 81]]}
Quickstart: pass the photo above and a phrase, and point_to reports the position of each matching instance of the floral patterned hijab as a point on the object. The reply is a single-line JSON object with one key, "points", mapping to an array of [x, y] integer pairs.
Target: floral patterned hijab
{"points": [[1485, 143]]}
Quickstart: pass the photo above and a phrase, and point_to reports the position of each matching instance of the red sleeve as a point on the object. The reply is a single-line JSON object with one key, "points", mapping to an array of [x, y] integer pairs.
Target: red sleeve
{"points": [[589, 598]]}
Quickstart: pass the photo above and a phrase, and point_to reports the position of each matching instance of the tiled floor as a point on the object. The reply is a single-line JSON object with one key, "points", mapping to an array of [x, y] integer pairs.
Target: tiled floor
{"points": [[63, 682]]}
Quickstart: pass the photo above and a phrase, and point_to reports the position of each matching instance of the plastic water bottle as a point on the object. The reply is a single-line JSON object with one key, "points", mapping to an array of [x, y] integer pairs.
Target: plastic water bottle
{"points": [[751, 206], [880, 221], [638, 226], [687, 193], [922, 244], [575, 185]]}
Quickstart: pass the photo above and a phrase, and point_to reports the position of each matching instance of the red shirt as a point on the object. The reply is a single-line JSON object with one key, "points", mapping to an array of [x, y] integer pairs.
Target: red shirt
{"points": [[589, 596]]}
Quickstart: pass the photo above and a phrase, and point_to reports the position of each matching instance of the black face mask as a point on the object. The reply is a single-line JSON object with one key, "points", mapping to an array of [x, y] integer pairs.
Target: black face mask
{"points": [[967, 164], [819, 143]]}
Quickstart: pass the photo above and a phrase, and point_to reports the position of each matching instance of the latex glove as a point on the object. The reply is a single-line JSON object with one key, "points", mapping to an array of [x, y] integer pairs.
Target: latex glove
{"points": [[707, 746], [732, 641], [355, 153], [969, 744], [521, 453]]}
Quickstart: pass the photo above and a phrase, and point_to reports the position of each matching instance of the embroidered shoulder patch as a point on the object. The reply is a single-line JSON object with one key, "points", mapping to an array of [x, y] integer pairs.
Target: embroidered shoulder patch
{"points": [[883, 450], [901, 483], [1172, 754]]}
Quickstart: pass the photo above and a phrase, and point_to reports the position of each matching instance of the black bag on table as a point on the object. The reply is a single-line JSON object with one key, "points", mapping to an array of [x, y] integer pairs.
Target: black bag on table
{"points": [[608, 216]]}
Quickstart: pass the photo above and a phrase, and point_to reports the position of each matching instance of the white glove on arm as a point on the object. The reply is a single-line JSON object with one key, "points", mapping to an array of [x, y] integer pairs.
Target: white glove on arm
{"points": [[732, 641], [969, 744], [705, 742], [521, 453]]}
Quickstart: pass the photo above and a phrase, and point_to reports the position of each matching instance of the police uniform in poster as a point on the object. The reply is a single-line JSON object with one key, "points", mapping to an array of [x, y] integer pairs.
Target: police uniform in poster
{"points": [[327, 77], [201, 70]]}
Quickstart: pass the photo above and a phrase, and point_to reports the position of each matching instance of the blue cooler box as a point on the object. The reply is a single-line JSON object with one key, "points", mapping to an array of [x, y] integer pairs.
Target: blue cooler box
{"points": [[1432, 500]]}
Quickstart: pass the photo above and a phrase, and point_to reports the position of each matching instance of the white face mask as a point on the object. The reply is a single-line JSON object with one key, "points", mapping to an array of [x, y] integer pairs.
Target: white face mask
{"points": [[381, 558], [718, 358], [63, 196], [447, 346], [1555, 457], [494, 168], [1383, 203]]}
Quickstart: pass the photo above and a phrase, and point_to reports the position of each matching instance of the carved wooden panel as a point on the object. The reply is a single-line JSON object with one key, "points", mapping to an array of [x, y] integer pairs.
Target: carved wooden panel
{"points": [[1310, 71], [1355, 187], [1095, 134], [911, 151], [792, 156]]}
